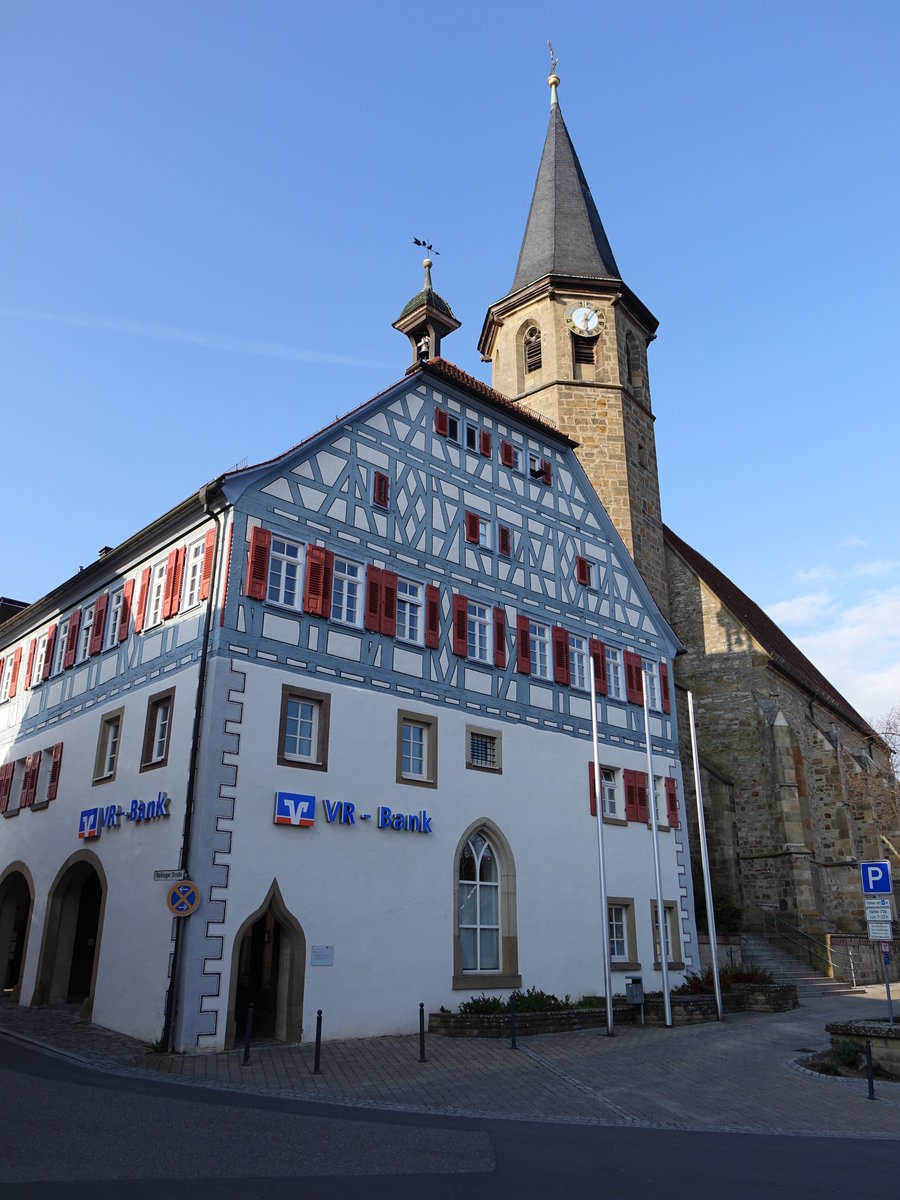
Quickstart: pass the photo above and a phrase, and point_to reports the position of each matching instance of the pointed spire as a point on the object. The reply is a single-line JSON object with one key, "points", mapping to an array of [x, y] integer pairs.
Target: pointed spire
{"points": [[564, 234]]}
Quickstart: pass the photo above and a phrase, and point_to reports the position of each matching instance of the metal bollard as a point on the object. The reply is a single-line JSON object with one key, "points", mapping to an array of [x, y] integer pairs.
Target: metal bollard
{"points": [[316, 1070], [869, 1074], [512, 1022], [248, 1034], [422, 1033]]}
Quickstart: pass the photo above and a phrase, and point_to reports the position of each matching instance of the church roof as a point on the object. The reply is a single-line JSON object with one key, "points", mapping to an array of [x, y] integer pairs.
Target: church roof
{"points": [[564, 234], [781, 650], [428, 296]]}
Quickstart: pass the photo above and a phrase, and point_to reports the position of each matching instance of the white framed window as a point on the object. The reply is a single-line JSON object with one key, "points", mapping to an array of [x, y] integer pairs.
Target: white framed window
{"points": [[157, 730], [6, 677], [540, 649], [416, 749], [84, 634], [673, 938], [578, 662], [518, 459], [62, 636], [651, 684], [610, 785], [472, 438], [483, 750], [113, 618], [303, 728], [618, 944], [156, 595], [346, 592], [479, 632], [452, 428], [283, 585], [479, 905], [107, 756], [410, 608], [37, 667], [193, 571], [615, 688], [622, 934], [484, 533]]}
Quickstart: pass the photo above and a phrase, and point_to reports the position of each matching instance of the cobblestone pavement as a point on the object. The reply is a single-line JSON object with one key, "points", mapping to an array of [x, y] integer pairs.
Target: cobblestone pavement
{"points": [[738, 1075]]}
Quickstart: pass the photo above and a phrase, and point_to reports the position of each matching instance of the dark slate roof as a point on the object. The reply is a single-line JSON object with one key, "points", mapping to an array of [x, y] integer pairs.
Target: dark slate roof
{"points": [[430, 297], [781, 650], [564, 234]]}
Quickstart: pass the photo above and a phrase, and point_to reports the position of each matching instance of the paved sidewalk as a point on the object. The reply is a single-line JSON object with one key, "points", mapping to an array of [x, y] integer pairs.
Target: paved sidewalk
{"points": [[740, 1075]]}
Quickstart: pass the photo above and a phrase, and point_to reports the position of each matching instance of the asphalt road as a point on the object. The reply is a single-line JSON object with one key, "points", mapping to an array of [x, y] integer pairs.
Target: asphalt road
{"points": [[70, 1132]]}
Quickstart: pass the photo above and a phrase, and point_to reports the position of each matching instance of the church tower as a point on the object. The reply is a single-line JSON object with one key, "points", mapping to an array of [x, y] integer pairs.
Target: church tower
{"points": [[569, 342]]}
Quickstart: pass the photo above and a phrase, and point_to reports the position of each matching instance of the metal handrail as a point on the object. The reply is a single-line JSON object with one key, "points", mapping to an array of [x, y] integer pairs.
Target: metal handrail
{"points": [[786, 931]]}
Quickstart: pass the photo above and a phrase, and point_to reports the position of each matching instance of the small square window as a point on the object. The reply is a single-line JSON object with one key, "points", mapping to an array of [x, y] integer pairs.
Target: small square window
{"points": [[157, 730], [380, 489], [483, 750], [303, 728], [107, 756], [584, 571], [416, 749]]}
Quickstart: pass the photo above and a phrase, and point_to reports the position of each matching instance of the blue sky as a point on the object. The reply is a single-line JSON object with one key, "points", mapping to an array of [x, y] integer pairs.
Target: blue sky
{"points": [[206, 230]]}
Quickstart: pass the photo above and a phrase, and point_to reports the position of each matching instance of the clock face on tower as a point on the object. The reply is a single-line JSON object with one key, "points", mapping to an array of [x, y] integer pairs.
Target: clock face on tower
{"points": [[585, 318]]}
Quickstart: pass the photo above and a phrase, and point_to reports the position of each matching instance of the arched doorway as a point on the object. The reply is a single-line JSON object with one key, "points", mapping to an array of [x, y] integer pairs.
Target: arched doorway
{"points": [[70, 951], [267, 969], [15, 915]]}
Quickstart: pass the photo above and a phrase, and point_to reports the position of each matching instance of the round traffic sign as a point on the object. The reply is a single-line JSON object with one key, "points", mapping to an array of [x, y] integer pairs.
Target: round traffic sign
{"points": [[183, 898]]}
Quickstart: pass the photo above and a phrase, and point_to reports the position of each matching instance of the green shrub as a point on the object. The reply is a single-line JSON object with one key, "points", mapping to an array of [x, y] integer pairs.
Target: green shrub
{"points": [[846, 1053], [531, 1001], [700, 985]]}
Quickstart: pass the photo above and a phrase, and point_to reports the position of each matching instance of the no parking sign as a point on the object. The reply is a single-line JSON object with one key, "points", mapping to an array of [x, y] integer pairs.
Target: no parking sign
{"points": [[183, 898]]}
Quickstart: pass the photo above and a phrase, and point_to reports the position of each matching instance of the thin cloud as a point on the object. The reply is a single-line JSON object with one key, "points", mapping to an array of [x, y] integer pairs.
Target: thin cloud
{"points": [[205, 339], [851, 543], [801, 610], [877, 567], [813, 574]]}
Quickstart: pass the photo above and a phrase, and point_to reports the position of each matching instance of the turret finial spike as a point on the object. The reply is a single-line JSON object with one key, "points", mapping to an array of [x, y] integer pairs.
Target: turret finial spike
{"points": [[553, 78]]}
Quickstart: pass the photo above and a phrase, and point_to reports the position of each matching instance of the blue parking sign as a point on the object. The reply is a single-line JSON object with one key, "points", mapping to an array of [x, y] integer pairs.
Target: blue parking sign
{"points": [[876, 878]]}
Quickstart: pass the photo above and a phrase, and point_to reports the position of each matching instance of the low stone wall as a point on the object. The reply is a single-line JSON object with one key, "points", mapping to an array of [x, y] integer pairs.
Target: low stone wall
{"points": [[686, 1010], [885, 1040]]}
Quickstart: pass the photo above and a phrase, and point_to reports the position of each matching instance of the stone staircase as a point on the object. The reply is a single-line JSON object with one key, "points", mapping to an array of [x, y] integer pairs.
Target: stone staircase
{"points": [[786, 968]]}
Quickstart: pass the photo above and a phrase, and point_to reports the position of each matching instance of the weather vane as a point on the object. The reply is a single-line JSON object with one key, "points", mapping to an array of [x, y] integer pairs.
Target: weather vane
{"points": [[426, 246], [554, 62]]}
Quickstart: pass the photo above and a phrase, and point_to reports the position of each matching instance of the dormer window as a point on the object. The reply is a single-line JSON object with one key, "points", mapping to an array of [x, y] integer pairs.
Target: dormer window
{"points": [[532, 349]]}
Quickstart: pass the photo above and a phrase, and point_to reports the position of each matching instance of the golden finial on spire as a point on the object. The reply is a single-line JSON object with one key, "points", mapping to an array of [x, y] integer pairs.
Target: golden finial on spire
{"points": [[553, 78]]}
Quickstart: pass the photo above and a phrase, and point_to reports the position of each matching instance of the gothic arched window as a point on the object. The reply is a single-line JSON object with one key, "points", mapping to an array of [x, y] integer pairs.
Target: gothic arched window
{"points": [[532, 344], [479, 905]]}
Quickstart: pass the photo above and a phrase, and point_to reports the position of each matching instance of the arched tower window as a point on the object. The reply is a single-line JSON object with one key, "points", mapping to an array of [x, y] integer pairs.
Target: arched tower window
{"points": [[532, 344], [479, 905]]}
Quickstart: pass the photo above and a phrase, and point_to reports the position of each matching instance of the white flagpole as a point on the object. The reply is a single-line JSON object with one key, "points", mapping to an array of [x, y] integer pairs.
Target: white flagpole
{"points": [[704, 858], [604, 904], [660, 907]]}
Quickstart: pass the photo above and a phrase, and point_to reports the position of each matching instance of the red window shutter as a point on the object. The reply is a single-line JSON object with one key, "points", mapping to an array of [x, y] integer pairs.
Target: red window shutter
{"points": [[593, 789], [48, 653], [258, 562], [6, 778], [582, 571], [72, 639], [432, 616], [631, 802], [472, 527], [484, 443], [441, 422], [504, 540], [14, 674], [140, 614], [372, 617], [381, 489], [99, 625], [597, 651], [209, 548], [125, 612], [507, 457], [640, 787], [634, 678], [664, 687], [561, 670], [30, 779], [55, 766], [389, 603], [546, 472], [499, 636], [178, 575], [460, 625], [672, 802], [32, 647], [169, 589], [319, 573], [227, 573], [523, 645]]}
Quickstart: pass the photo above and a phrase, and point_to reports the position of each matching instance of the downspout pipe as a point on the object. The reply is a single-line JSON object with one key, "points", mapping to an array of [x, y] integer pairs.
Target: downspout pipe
{"points": [[208, 492]]}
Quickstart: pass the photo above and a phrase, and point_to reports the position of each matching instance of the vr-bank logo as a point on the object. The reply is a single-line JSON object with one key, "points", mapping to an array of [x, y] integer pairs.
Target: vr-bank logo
{"points": [[89, 823], [291, 809]]}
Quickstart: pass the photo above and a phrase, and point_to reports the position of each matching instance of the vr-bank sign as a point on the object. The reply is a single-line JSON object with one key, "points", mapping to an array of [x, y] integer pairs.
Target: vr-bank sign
{"points": [[93, 820], [294, 809]]}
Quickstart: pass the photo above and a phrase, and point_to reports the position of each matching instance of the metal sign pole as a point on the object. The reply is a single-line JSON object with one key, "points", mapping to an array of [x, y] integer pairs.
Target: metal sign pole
{"points": [[660, 906], [704, 858], [604, 903]]}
